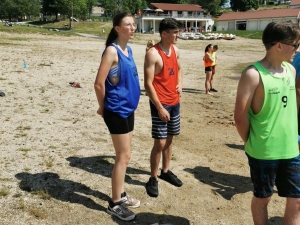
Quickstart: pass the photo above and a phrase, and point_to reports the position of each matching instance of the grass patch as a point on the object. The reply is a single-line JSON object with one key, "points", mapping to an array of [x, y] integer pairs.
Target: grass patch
{"points": [[21, 128], [37, 213], [49, 163], [1, 78], [4, 192], [52, 147], [42, 194], [25, 149], [44, 111]]}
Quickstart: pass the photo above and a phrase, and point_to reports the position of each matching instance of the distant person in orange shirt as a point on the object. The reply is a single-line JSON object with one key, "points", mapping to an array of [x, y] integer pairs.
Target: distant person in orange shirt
{"points": [[208, 63], [163, 85]]}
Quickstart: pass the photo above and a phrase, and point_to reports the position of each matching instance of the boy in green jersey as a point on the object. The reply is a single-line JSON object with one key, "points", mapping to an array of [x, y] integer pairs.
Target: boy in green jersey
{"points": [[266, 119]]}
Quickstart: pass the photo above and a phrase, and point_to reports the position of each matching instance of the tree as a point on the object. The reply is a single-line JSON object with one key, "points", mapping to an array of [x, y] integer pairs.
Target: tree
{"points": [[133, 5], [212, 6], [168, 1], [244, 5], [19, 8], [72, 8], [110, 7], [90, 4], [49, 8], [7, 9]]}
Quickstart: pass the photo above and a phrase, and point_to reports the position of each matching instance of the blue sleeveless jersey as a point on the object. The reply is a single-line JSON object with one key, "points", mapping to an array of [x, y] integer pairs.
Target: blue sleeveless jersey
{"points": [[123, 98]]}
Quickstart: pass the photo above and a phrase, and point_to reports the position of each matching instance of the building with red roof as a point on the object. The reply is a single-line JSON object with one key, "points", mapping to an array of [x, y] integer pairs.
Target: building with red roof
{"points": [[191, 15], [258, 19]]}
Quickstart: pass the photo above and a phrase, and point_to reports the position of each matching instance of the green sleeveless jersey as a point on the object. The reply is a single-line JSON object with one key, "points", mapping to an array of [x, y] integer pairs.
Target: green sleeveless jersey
{"points": [[213, 56], [273, 131]]}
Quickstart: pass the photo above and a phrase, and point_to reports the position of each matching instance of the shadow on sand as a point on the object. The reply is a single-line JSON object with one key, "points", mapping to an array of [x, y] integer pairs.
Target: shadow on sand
{"points": [[103, 166], [239, 147], [227, 185], [151, 218], [64, 190]]}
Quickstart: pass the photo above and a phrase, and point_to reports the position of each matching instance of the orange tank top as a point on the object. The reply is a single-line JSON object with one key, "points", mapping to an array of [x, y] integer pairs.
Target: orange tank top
{"points": [[207, 62], [166, 80]]}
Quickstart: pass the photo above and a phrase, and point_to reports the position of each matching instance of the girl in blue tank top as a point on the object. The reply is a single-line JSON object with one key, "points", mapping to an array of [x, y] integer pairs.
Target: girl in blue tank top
{"points": [[118, 92]]}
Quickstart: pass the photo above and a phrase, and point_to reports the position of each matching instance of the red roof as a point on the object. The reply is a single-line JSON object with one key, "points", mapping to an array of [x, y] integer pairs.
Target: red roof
{"points": [[295, 2], [178, 7], [259, 14]]}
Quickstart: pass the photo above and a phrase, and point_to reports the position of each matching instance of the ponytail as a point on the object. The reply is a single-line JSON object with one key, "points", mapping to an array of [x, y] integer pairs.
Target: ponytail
{"points": [[111, 37]]}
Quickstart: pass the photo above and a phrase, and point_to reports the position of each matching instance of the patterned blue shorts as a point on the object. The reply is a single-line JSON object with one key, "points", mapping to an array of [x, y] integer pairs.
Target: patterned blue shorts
{"points": [[160, 129], [285, 173]]}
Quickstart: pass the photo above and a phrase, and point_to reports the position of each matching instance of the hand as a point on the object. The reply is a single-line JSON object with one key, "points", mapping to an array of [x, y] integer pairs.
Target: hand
{"points": [[179, 88], [163, 114], [100, 111]]}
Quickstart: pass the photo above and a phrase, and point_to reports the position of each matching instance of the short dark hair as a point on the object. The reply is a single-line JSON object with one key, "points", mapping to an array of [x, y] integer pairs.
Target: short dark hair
{"points": [[280, 32], [169, 24], [216, 47]]}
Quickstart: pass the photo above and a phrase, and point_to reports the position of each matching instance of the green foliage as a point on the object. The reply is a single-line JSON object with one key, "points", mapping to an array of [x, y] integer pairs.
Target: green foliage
{"points": [[111, 7], [77, 8], [18, 8], [244, 5], [169, 1], [213, 6]]}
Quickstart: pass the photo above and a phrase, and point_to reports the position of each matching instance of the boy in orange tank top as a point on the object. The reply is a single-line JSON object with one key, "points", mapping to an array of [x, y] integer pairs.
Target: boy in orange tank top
{"points": [[163, 85]]}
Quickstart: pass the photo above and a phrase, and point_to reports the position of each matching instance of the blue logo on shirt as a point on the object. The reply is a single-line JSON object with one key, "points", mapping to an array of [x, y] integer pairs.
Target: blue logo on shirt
{"points": [[171, 71]]}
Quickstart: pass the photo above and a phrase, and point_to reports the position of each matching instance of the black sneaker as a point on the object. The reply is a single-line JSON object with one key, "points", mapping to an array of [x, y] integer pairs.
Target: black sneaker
{"points": [[213, 90], [152, 187], [171, 178]]}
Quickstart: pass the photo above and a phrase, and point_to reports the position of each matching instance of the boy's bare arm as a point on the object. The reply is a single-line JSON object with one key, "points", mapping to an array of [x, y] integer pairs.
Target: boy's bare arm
{"points": [[246, 88]]}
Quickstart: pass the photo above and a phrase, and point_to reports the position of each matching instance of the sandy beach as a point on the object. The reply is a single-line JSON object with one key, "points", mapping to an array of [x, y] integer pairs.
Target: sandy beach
{"points": [[57, 155]]}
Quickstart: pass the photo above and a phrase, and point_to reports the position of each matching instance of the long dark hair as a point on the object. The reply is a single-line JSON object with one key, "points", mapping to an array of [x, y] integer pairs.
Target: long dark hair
{"points": [[207, 47], [116, 22]]}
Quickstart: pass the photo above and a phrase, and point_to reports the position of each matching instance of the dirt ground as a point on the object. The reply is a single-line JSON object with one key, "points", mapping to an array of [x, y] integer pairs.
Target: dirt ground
{"points": [[56, 152]]}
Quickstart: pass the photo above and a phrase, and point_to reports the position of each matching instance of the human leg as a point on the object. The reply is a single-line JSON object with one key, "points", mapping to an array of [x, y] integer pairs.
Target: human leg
{"points": [[207, 82], [121, 144], [288, 185], [173, 126], [259, 210], [167, 153], [292, 211], [155, 156], [212, 77], [211, 80], [117, 206], [263, 174], [121, 133], [158, 147]]}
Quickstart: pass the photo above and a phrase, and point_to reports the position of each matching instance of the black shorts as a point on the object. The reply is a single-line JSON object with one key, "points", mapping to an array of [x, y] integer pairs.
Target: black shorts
{"points": [[285, 173], [116, 124], [208, 68], [299, 122]]}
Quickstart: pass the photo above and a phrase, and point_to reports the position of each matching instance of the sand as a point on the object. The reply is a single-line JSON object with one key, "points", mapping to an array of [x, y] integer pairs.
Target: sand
{"points": [[57, 155]]}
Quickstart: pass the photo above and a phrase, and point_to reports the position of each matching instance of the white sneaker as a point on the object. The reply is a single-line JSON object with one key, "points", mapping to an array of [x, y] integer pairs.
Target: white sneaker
{"points": [[131, 202], [121, 212]]}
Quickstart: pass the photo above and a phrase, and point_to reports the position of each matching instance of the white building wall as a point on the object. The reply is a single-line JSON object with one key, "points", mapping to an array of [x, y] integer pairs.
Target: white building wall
{"points": [[231, 25], [252, 25], [263, 23], [222, 25]]}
